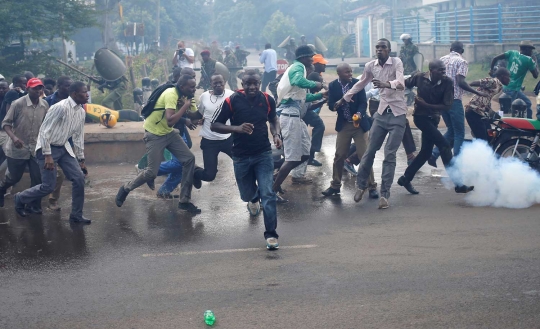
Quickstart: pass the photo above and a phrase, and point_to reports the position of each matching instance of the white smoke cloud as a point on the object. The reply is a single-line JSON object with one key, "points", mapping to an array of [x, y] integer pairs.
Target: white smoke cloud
{"points": [[498, 182]]}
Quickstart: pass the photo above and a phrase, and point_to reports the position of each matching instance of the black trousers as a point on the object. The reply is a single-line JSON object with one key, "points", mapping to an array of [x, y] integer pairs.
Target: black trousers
{"points": [[477, 125], [430, 136], [314, 120], [267, 78], [211, 150], [16, 169]]}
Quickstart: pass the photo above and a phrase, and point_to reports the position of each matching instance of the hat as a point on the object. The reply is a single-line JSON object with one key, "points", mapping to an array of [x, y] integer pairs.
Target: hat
{"points": [[318, 58], [303, 51], [405, 36], [205, 52], [34, 82], [526, 43]]}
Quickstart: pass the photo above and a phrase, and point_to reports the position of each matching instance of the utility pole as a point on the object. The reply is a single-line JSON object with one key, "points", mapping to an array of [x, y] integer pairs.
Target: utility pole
{"points": [[158, 24]]}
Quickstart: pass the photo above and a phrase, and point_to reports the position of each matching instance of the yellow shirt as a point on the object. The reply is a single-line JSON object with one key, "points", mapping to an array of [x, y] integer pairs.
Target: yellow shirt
{"points": [[156, 123]]}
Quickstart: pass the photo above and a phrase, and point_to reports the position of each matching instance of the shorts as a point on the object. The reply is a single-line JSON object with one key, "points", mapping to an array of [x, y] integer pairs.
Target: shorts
{"points": [[296, 140]]}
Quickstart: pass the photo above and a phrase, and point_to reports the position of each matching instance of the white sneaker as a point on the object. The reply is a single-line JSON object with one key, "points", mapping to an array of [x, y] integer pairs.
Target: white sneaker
{"points": [[137, 170], [358, 195], [383, 203], [272, 244], [254, 208]]}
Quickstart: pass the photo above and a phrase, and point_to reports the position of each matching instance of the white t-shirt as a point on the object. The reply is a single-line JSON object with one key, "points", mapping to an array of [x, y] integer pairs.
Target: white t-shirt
{"points": [[183, 62], [208, 105]]}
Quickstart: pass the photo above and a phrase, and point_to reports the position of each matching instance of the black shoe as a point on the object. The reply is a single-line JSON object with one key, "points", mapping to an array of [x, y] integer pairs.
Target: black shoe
{"points": [[121, 196], [80, 220], [19, 207], [432, 161], [197, 182], [402, 181], [280, 199], [34, 210], [189, 207], [314, 163], [331, 191], [373, 194], [151, 184], [281, 190], [463, 189]]}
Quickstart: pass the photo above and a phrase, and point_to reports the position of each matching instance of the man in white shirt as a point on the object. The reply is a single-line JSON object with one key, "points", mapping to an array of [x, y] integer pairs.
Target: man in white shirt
{"points": [[212, 143], [183, 57], [65, 119], [269, 59]]}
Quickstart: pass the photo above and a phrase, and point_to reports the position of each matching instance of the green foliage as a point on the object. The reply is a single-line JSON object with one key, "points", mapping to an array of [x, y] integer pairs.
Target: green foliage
{"points": [[278, 28]]}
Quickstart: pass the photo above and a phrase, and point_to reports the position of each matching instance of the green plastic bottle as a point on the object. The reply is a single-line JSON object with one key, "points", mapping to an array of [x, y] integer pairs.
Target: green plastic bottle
{"points": [[209, 318]]}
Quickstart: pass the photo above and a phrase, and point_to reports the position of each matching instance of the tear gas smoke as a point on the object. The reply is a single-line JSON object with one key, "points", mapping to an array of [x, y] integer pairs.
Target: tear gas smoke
{"points": [[498, 182]]}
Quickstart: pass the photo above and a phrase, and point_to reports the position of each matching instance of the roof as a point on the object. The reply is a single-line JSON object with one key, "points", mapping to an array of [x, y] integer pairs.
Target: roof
{"points": [[366, 11]]}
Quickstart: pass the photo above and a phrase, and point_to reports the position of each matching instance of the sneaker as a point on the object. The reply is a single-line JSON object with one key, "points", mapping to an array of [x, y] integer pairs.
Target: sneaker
{"points": [[189, 207], [280, 198], [121, 196], [254, 208], [383, 203], [314, 163], [272, 244], [302, 180], [358, 195], [331, 191], [432, 161], [373, 194], [350, 168], [463, 189]]}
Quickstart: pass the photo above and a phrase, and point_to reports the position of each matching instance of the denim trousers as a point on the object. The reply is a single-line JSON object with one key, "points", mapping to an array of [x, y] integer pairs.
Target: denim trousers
{"points": [[254, 176], [455, 124], [172, 168]]}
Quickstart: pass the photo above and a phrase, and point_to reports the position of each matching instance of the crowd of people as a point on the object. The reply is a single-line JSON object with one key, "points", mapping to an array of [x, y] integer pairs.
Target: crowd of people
{"points": [[46, 134]]}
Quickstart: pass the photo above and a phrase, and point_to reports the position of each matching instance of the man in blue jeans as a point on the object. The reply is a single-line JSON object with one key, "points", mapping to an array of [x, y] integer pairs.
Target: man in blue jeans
{"points": [[248, 111], [456, 69]]}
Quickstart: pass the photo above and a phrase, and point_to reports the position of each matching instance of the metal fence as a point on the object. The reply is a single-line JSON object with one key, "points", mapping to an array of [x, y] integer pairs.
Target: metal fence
{"points": [[493, 24]]}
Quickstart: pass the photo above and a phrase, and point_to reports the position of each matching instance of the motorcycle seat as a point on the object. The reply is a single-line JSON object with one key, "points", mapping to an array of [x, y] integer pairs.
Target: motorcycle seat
{"points": [[524, 124]]}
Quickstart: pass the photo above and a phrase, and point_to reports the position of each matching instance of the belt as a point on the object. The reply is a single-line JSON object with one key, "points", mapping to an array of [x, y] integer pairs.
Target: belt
{"points": [[57, 146], [290, 115]]}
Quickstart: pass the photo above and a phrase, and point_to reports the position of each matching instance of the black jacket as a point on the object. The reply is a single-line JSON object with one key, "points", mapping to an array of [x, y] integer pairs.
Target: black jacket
{"points": [[335, 93]]}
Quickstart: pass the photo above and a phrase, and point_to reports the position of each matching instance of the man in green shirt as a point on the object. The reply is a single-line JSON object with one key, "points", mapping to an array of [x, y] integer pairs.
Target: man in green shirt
{"points": [[160, 134], [519, 63]]}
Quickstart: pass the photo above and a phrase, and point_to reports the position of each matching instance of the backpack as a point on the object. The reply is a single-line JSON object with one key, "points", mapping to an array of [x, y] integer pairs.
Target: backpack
{"points": [[152, 100]]}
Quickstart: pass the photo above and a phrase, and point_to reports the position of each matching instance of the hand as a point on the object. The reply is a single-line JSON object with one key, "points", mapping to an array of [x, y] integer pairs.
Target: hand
{"points": [[49, 162], [18, 143], [318, 85], [83, 168], [420, 101], [482, 94], [277, 141], [379, 84], [190, 124], [325, 94], [245, 128]]}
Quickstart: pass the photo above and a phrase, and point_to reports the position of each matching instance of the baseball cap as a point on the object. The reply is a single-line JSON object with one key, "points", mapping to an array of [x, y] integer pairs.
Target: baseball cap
{"points": [[527, 43], [319, 59], [34, 82]]}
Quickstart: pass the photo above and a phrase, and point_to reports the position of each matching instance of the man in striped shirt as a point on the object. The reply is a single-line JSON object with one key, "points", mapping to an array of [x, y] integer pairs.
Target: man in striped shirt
{"points": [[65, 119]]}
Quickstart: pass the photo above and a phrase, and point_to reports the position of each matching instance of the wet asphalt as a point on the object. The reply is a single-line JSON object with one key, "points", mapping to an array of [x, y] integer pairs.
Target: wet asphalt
{"points": [[430, 261]]}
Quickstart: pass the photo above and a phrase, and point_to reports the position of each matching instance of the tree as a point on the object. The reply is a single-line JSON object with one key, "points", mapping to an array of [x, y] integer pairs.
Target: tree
{"points": [[278, 28]]}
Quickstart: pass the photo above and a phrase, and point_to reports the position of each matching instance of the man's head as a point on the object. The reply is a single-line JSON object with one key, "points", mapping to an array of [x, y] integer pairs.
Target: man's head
{"points": [[218, 84], [187, 85], [181, 45], [406, 38], [304, 54], [251, 82], [34, 88], [319, 63], [503, 75], [63, 84], [19, 81], [344, 72], [29, 75], [188, 71], [78, 92], [437, 70], [177, 72], [526, 48], [205, 55], [383, 48], [267, 46], [227, 50], [457, 46], [4, 88]]}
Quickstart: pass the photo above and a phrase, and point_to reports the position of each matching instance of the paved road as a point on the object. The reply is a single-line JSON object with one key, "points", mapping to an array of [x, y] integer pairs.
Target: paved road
{"points": [[430, 261]]}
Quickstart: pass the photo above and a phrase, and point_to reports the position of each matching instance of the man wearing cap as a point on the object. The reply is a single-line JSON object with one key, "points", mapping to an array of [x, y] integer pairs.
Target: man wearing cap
{"points": [[231, 63], [519, 63], [406, 54], [319, 63], [21, 124], [269, 58], [293, 95], [208, 67]]}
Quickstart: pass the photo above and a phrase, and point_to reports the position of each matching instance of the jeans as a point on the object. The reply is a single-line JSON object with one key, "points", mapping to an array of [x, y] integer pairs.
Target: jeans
{"points": [[383, 125], [211, 150], [455, 124], [72, 171], [254, 176], [430, 136], [16, 170], [173, 168], [267, 78], [515, 94], [477, 125]]}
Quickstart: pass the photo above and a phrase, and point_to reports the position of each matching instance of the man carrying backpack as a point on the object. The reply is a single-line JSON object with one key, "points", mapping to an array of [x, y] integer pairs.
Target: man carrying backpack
{"points": [[160, 134]]}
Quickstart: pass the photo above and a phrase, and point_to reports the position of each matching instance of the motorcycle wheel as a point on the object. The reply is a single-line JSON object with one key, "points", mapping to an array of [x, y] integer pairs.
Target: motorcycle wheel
{"points": [[522, 150]]}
